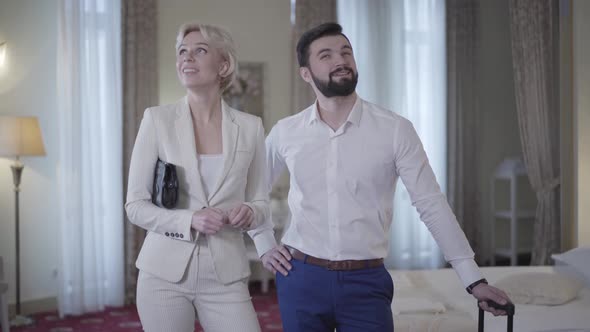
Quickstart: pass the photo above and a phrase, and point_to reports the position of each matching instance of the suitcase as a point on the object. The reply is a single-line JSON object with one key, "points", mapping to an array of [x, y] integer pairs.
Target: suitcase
{"points": [[508, 308]]}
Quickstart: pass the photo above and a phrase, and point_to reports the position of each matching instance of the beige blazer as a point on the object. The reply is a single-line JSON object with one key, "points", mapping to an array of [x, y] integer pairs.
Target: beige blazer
{"points": [[167, 132]]}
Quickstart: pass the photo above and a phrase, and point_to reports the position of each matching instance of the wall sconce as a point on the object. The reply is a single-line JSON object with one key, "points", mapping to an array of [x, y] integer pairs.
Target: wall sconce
{"points": [[2, 54]]}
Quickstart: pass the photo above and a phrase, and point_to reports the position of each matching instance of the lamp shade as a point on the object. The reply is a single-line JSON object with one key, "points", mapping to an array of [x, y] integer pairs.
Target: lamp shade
{"points": [[20, 136]]}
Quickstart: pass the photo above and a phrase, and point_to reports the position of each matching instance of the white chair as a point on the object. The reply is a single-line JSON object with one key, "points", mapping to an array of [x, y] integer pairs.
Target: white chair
{"points": [[4, 323]]}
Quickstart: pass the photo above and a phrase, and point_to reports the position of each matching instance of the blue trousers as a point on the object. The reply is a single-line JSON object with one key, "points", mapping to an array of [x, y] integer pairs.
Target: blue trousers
{"points": [[314, 299]]}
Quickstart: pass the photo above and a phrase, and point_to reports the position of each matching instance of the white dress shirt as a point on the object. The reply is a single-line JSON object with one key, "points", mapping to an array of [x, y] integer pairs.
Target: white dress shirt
{"points": [[342, 185]]}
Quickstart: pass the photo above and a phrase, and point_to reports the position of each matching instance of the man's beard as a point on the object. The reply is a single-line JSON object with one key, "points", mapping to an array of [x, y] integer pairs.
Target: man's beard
{"points": [[336, 89]]}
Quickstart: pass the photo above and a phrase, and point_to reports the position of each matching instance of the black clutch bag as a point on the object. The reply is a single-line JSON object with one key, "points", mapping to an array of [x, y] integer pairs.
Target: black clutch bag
{"points": [[165, 188]]}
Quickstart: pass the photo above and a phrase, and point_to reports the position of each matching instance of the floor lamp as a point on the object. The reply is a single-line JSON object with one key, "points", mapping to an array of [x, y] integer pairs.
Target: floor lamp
{"points": [[19, 136]]}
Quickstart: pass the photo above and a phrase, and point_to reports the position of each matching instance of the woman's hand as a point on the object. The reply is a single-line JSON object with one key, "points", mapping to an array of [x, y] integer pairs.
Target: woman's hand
{"points": [[209, 220], [241, 217]]}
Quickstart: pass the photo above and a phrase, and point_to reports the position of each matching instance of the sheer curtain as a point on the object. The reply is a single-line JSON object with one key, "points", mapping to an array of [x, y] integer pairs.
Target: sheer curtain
{"points": [[90, 156], [534, 27], [400, 52]]}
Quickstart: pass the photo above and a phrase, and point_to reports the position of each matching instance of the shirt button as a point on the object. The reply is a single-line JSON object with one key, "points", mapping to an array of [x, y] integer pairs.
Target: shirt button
{"points": [[167, 234]]}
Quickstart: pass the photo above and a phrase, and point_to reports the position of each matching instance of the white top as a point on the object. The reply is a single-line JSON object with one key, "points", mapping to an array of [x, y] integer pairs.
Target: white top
{"points": [[343, 182], [210, 166]]}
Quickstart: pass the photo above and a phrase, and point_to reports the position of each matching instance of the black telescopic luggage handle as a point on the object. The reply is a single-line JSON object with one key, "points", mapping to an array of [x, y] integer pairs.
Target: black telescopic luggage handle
{"points": [[508, 308]]}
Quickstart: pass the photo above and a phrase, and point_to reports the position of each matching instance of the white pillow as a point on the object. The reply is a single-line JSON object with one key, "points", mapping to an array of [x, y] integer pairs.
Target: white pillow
{"points": [[540, 288], [578, 260]]}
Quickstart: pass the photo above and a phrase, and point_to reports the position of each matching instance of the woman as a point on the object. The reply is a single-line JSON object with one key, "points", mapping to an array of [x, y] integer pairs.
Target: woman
{"points": [[193, 257]]}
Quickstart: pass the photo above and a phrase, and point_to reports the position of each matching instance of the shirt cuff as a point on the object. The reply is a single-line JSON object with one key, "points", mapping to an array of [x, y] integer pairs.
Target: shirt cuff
{"points": [[467, 270], [264, 242]]}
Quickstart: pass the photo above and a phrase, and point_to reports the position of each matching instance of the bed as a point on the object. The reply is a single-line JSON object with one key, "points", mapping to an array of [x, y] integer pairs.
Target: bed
{"points": [[435, 300]]}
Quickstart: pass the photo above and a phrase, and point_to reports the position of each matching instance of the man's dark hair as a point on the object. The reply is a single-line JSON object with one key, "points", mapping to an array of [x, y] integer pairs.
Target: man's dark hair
{"points": [[322, 30]]}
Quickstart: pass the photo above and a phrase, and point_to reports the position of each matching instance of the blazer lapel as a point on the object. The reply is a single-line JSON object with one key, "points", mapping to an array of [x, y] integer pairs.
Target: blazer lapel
{"points": [[186, 141], [229, 136]]}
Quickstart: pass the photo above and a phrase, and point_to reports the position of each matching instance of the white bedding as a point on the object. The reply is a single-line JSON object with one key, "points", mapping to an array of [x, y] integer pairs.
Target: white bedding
{"points": [[420, 294]]}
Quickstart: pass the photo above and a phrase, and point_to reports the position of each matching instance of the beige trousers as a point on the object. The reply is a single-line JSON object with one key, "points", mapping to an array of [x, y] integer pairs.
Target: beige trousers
{"points": [[165, 306]]}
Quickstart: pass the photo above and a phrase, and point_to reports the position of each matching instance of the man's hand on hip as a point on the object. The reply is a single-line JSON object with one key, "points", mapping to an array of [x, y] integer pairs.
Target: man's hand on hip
{"points": [[277, 259]]}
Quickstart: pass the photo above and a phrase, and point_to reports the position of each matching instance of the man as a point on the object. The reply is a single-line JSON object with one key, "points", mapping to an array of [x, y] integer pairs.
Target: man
{"points": [[344, 156]]}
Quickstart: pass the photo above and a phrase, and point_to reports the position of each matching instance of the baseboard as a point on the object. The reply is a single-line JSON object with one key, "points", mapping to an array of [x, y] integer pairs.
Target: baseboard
{"points": [[34, 306]]}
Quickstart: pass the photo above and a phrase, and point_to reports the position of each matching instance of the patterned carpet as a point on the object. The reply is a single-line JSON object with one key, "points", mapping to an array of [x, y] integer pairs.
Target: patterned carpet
{"points": [[126, 319]]}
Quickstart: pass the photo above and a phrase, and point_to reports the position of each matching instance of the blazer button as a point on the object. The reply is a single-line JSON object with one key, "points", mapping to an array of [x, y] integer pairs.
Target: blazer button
{"points": [[167, 234], [182, 236], [176, 235]]}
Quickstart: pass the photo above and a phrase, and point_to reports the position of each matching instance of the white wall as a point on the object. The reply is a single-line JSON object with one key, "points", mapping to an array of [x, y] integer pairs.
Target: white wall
{"points": [[27, 87], [261, 30], [581, 57]]}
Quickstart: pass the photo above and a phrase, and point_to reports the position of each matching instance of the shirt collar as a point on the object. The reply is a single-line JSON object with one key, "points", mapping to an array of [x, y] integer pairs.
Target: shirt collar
{"points": [[313, 115], [354, 117], [357, 110]]}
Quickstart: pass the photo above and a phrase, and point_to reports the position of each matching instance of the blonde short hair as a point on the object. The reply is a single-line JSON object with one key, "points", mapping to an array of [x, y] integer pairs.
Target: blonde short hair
{"points": [[218, 38]]}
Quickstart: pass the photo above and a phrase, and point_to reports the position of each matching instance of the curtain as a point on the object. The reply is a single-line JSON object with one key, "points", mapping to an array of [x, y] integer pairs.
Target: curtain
{"points": [[462, 116], [534, 26], [400, 53], [140, 91], [89, 163], [306, 14]]}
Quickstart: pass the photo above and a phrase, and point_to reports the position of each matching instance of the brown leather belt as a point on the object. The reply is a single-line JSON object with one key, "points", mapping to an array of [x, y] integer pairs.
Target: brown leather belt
{"points": [[346, 265]]}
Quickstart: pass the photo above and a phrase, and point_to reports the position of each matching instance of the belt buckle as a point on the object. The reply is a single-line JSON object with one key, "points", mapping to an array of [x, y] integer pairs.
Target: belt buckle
{"points": [[339, 265], [332, 265]]}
